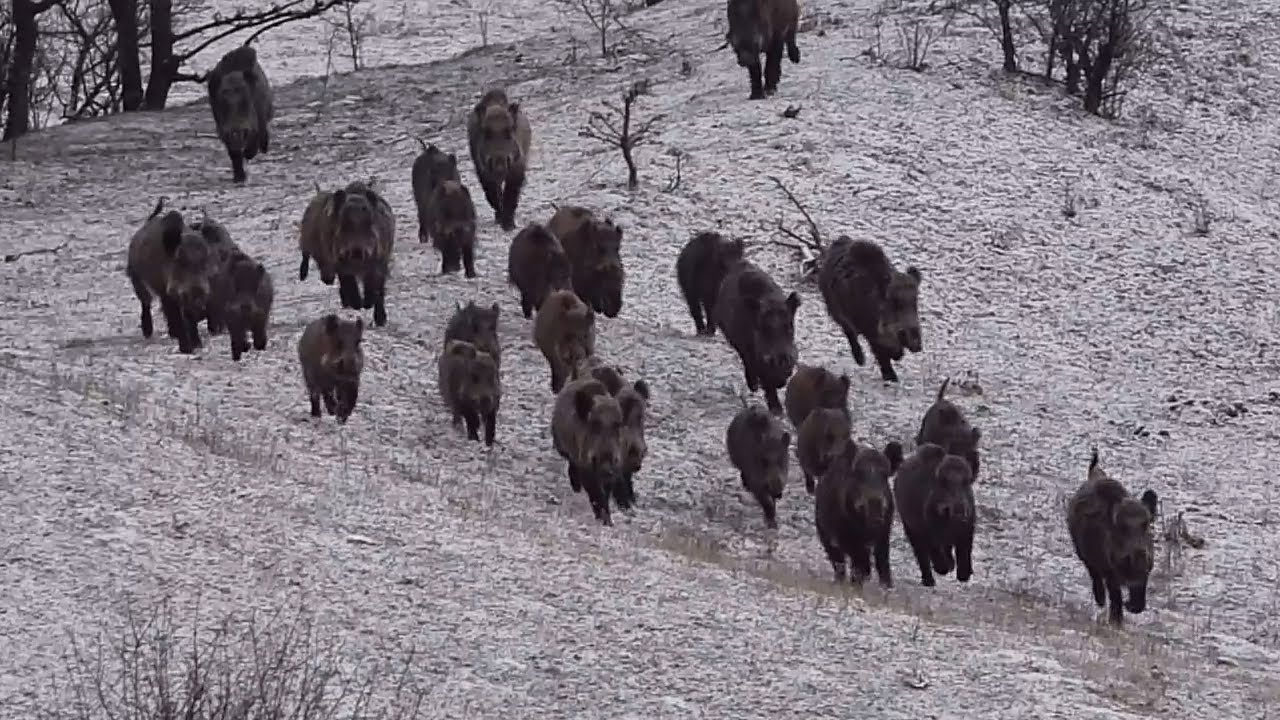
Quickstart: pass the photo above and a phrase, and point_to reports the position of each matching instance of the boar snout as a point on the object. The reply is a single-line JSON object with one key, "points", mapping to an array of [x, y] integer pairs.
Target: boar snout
{"points": [[910, 339]]}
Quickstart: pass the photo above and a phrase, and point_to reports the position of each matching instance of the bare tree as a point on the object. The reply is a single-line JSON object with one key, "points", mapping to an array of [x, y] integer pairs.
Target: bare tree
{"points": [[602, 14], [614, 128], [997, 17], [21, 64], [483, 11]]}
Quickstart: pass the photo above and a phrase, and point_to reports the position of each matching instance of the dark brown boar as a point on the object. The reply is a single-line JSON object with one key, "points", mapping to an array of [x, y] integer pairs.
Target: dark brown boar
{"points": [[853, 511], [471, 387], [934, 493], [351, 234], [565, 332], [536, 266], [586, 430], [171, 261], [332, 359], [945, 425], [222, 250], [432, 167], [758, 320], [453, 227], [760, 448], [866, 296], [478, 326], [633, 399], [763, 26], [700, 267], [594, 248], [240, 97], [1111, 533], [819, 439], [813, 387], [243, 294], [498, 135]]}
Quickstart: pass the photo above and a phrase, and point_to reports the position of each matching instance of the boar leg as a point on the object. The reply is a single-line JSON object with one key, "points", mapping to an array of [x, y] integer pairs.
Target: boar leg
{"points": [[1099, 589], [239, 343], [835, 555], [349, 292], [448, 261], [596, 494], [172, 317], [695, 312], [237, 167], [472, 419], [769, 507], [771, 399], [330, 402], [964, 556], [753, 73], [710, 309], [557, 378], [347, 394], [1137, 599], [511, 199], [940, 555], [1116, 598], [375, 284], [526, 306], [302, 268], [264, 141], [575, 478], [144, 299], [921, 552], [624, 492], [469, 261], [259, 330], [860, 559], [887, 373], [490, 188], [490, 427], [793, 50], [883, 570], [315, 403], [772, 66], [854, 346], [748, 372], [809, 483]]}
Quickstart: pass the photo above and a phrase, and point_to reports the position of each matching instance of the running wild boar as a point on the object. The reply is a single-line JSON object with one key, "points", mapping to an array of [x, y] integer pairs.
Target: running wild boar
{"points": [[432, 167], [819, 440], [243, 294], [470, 386], [701, 266], [170, 261], [565, 332], [537, 266], [222, 251], [586, 430], [760, 448], [934, 493], [853, 511], [351, 234], [241, 100], [1111, 533], [758, 320], [498, 135], [945, 425], [332, 359], [453, 227], [478, 326], [812, 387], [594, 248], [763, 26], [866, 296]]}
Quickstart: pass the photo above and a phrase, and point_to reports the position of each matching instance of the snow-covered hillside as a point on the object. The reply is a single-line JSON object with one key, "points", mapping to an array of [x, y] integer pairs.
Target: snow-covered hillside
{"points": [[128, 471]]}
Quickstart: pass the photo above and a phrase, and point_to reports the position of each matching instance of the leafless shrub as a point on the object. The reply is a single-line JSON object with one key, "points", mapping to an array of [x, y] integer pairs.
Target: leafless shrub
{"points": [[1069, 201], [603, 15], [277, 665], [614, 128], [673, 183], [483, 11], [353, 28], [918, 29], [1201, 215]]}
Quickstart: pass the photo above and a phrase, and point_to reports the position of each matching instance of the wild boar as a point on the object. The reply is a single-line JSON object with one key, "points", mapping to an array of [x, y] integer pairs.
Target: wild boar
{"points": [[945, 425], [819, 440], [1111, 533], [760, 448], [700, 267], [586, 430], [934, 494], [565, 332], [498, 135], [813, 387], [767, 26], [758, 320], [594, 248], [853, 511], [478, 326], [866, 296], [351, 234], [171, 261], [243, 294], [432, 167], [536, 266], [471, 387], [332, 360], [222, 250], [240, 98], [453, 227]]}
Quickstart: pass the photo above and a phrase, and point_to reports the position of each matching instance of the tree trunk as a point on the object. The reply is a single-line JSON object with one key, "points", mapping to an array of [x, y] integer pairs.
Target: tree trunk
{"points": [[1096, 77], [1006, 38], [164, 66], [125, 15], [21, 66]]}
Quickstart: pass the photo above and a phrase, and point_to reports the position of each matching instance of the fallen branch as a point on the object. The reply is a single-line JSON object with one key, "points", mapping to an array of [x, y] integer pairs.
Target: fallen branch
{"points": [[814, 243], [11, 257]]}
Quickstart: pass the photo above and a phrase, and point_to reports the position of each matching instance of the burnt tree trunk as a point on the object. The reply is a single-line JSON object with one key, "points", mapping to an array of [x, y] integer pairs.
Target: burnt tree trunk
{"points": [[1007, 43], [124, 13], [164, 66], [26, 29], [1096, 77]]}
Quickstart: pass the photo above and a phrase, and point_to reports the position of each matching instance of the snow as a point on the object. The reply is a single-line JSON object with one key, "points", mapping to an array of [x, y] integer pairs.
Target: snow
{"points": [[130, 472]]}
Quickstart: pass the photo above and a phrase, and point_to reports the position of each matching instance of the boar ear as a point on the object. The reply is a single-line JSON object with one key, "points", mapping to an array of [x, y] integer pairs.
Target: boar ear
{"points": [[976, 434], [844, 381], [914, 273], [642, 389], [617, 227], [893, 451], [583, 399], [339, 197], [514, 109], [171, 231], [1151, 501], [793, 302], [262, 270], [331, 323], [374, 199], [496, 309], [453, 159]]}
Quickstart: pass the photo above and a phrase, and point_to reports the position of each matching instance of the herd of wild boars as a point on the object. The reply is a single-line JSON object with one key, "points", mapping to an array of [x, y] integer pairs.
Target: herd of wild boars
{"points": [[569, 269]]}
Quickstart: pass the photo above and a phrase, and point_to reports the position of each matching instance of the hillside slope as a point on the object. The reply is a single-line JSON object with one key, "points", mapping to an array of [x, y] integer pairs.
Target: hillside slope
{"points": [[1116, 328]]}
